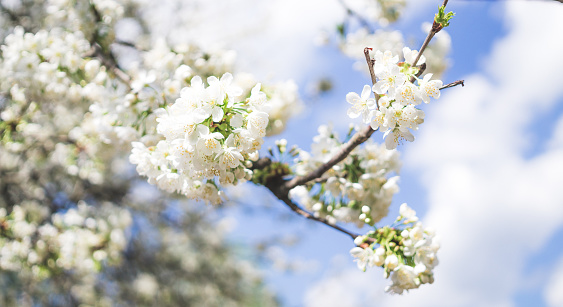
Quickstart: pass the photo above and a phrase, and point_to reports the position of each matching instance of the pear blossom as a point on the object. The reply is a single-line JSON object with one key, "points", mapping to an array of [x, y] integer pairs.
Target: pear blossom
{"points": [[409, 214], [429, 88], [256, 123], [407, 94], [391, 262], [230, 157], [389, 80], [403, 278], [222, 88], [383, 60], [361, 105], [364, 257], [410, 56], [393, 137]]}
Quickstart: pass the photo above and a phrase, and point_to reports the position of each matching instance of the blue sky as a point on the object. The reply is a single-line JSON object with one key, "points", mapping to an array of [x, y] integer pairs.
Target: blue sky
{"points": [[485, 170]]}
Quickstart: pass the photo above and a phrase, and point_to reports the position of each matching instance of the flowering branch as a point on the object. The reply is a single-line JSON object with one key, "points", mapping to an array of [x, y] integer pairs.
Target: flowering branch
{"points": [[276, 185]]}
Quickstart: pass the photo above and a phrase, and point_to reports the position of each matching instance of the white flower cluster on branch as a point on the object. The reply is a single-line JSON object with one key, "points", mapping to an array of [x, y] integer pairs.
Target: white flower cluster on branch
{"points": [[405, 250], [210, 135], [396, 96]]}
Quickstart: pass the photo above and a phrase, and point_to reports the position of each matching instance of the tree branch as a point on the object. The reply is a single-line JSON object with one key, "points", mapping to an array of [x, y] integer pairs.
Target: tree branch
{"points": [[358, 138], [436, 27], [455, 83], [370, 63]]}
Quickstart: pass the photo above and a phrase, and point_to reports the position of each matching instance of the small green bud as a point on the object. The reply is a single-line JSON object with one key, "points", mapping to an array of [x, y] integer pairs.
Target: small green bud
{"points": [[442, 17]]}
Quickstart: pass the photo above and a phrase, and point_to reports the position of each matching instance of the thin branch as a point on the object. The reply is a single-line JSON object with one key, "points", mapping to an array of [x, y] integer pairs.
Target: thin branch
{"points": [[125, 43], [421, 70], [297, 209], [370, 63], [455, 83], [426, 42], [436, 27], [358, 138]]}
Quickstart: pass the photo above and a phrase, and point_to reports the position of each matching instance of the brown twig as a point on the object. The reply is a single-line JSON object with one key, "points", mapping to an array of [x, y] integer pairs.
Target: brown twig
{"points": [[297, 209], [436, 27], [358, 138], [421, 70], [280, 187], [455, 83], [370, 63]]}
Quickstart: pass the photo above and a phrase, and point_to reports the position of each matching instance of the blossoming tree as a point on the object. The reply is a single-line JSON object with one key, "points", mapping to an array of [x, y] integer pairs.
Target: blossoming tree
{"points": [[75, 225]]}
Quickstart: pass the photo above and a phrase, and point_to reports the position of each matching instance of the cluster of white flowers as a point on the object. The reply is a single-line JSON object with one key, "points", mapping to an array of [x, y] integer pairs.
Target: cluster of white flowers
{"points": [[51, 84], [357, 190], [79, 239], [157, 81], [209, 134], [396, 97], [406, 252], [283, 100]]}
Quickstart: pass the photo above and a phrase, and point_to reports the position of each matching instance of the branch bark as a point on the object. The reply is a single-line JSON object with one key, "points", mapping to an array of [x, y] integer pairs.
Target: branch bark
{"points": [[455, 83]]}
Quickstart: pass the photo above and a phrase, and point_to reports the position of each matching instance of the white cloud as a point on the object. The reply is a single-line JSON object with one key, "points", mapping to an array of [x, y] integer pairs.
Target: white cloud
{"points": [[492, 206], [349, 289], [553, 294]]}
